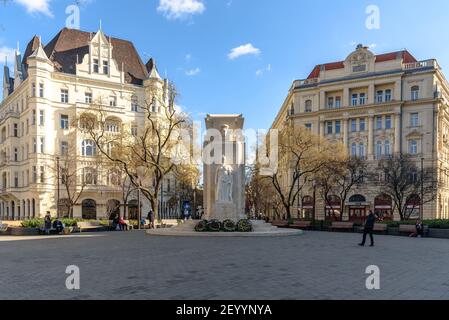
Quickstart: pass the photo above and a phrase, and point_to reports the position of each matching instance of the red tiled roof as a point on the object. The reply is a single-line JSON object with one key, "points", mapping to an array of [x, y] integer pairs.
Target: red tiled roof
{"points": [[404, 55]]}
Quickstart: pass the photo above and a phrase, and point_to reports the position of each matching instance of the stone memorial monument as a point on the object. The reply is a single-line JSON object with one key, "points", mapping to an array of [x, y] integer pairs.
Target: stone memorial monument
{"points": [[224, 168]]}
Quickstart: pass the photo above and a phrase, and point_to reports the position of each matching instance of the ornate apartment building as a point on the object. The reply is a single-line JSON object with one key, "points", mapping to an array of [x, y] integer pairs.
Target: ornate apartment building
{"points": [[51, 86], [376, 105]]}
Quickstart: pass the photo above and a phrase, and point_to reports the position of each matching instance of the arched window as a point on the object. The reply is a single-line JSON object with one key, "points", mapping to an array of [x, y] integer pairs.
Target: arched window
{"points": [[88, 148], [89, 209], [379, 149], [308, 106], [415, 93], [357, 198], [387, 148]]}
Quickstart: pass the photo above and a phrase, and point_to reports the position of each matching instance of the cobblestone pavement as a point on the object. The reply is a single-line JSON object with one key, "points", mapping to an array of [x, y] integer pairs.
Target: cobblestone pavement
{"points": [[135, 266]]}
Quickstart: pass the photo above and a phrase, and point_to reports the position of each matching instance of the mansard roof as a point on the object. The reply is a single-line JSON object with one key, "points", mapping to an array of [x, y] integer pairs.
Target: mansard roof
{"points": [[70, 46]]}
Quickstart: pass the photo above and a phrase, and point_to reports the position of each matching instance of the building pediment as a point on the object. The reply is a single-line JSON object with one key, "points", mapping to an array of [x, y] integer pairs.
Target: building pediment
{"points": [[361, 60]]}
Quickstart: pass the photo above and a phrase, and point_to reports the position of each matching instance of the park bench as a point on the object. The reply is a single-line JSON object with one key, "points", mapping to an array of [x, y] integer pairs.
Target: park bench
{"points": [[280, 223], [337, 225], [43, 231], [90, 225], [378, 227], [129, 224], [411, 228], [3, 228], [301, 225]]}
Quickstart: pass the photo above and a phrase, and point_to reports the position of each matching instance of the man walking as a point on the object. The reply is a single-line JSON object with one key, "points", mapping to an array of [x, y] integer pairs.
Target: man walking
{"points": [[369, 226]]}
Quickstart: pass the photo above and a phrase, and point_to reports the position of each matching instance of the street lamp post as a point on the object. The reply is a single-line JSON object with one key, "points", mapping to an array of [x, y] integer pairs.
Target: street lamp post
{"points": [[421, 211], [314, 200], [58, 192], [296, 177]]}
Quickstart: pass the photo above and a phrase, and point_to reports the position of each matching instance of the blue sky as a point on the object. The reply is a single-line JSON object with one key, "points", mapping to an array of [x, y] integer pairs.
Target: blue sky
{"points": [[192, 41]]}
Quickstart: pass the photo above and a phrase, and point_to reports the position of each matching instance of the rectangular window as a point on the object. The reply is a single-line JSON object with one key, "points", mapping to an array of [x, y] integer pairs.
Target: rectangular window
{"points": [[16, 130], [414, 120], [33, 119], [379, 123], [64, 148], [34, 145], [355, 98], [330, 103], [134, 131], [362, 126], [28, 126], [41, 117], [16, 179], [64, 96], [64, 122], [88, 97], [362, 99], [337, 102], [42, 149], [42, 174], [113, 101], [16, 155], [134, 106], [96, 66], [379, 96], [41, 90], [387, 95], [105, 67], [354, 125], [388, 122], [308, 126], [337, 127], [329, 127], [34, 179], [413, 147], [33, 89]]}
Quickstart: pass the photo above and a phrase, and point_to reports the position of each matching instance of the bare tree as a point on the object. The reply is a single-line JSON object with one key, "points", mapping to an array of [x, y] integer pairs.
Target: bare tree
{"points": [[338, 178], [409, 187], [145, 153], [301, 155], [72, 181]]}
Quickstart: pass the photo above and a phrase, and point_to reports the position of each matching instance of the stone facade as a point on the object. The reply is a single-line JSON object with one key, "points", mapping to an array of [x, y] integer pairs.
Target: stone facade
{"points": [[376, 105], [52, 86]]}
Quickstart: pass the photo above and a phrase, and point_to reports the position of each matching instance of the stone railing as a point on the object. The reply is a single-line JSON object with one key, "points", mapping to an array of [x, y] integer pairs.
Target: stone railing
{"points": [[421, 64]]}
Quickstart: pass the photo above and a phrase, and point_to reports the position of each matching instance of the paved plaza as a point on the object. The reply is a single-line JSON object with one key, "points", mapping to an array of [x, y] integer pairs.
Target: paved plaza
{"points": [[132, 265]]}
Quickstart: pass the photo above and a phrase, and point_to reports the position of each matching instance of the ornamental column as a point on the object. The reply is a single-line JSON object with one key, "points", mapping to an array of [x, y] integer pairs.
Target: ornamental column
{"points": [[371, 137], [397, 133]]}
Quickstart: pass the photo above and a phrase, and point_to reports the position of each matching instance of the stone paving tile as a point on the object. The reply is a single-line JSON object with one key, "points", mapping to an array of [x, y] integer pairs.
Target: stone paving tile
{"points": [[313, 266]]}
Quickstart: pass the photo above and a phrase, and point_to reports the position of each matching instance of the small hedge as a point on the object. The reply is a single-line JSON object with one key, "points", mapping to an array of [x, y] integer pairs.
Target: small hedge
{"points": [[225, 226]]}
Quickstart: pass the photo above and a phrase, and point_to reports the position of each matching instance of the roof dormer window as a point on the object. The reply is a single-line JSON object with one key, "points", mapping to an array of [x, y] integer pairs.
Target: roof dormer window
{"points": [[106, 67], [96, 66]]}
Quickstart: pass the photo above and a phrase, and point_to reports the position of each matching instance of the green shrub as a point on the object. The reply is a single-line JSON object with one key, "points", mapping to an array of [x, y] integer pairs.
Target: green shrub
{"points": [[33, 223]]}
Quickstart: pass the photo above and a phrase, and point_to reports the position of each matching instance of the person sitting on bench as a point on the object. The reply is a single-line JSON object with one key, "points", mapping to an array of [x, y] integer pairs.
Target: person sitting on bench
{"points": [[419, 230], [58, 226], [123, 225]]}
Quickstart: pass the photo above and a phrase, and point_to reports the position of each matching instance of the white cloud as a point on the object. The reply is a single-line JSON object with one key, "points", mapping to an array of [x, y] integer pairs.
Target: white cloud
{"points": [[260, 72], [37, 6], [193, 72], [178, 9], [246, 49], [188, 57]]}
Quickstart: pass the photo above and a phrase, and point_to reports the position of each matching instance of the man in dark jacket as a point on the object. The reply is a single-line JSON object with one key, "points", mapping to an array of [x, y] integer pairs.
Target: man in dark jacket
{"points": [[369, 226]]}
